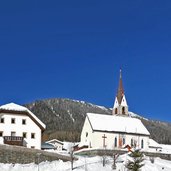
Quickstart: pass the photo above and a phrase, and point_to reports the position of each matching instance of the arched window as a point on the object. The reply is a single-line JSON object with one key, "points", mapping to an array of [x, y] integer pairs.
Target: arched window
{"points": [[123, 110], [116, 111], [123, 141], [86, 134], [132, 142], [142, 143], [115, 143]]}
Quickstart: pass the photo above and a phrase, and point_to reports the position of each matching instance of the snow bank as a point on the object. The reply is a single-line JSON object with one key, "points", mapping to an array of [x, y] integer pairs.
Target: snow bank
{"points": [[89, 164]]}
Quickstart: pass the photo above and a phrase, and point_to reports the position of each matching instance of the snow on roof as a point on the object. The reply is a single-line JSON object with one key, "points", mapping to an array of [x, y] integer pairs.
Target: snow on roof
{"points": [[47, 146], [18, 108], [14, 107], [111, 123], [153, 143], [54, 141]]}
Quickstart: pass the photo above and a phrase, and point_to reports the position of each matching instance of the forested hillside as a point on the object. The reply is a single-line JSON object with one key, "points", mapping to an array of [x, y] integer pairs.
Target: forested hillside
{"points": [[64, 119]]}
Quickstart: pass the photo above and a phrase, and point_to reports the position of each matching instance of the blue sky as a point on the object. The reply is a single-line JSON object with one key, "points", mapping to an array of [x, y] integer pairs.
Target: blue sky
{"points": [[74, 49]]}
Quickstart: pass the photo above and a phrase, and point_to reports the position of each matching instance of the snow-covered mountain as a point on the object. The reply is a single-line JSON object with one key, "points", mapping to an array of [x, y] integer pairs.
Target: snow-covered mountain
{"points": [[64, 119], [134, 115]]}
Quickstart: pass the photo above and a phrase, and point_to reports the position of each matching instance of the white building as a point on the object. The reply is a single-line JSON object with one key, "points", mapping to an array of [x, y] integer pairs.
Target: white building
{"points": [[19, 126], [114, 131], [109, 131], [58, 145]]}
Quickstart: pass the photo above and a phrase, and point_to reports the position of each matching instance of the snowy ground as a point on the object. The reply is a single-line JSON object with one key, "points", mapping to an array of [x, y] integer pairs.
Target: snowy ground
{"points": [[92, 163], [88, 164]]}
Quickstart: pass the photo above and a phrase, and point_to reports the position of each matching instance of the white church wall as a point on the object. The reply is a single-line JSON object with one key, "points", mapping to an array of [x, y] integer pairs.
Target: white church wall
{"points": [[135, 140], [98, 140], [86, 134]]}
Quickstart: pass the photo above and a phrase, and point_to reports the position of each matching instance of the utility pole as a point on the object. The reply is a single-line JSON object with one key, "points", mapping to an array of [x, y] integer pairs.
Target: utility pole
{"points": [[72, 158], [85, 167], [114, 161], [38, 160]]}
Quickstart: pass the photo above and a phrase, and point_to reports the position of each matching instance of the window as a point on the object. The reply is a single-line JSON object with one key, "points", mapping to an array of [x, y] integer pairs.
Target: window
{"points": [[123, 110], [86, 134], [23, 121], [32, 135], [123, 141], [13, 134], [24, 134], [1, 133], [32, 146], [13, 120], [132, 142], [2, 120], [142, 143], [115, 143]]}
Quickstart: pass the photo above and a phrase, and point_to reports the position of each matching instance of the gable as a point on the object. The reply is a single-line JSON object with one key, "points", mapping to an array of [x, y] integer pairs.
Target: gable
{"points": [[116, 104], [123, 102], [54, 141]]}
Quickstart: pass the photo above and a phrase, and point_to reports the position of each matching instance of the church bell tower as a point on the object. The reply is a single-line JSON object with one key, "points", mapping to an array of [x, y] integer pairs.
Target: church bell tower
{"points": [[120, 105]]}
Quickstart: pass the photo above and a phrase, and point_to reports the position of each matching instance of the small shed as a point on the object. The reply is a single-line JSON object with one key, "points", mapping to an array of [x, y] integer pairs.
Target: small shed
{"points": [[56, 143]]}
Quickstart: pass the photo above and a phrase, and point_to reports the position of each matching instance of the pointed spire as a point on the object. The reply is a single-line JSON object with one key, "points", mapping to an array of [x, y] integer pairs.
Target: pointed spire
{"points": [[120, 105], [120, 92], [120, 74]]}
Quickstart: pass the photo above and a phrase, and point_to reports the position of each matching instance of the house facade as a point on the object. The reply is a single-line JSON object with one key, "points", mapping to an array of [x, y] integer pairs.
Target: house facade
{"points": [[116, 130], [19, 126]]}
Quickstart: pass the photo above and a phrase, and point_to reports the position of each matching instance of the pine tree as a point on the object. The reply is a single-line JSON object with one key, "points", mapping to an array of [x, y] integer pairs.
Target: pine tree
{"points": [[136, 163]]}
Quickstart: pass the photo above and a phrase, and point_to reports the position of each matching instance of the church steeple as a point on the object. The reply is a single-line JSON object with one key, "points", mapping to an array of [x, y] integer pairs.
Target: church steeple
{"points": [[120, 105], [120, 92]]}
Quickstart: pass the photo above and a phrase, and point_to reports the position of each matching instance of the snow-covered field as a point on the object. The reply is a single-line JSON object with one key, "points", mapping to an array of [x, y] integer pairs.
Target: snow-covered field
{"points": [[92, 163], [88, 164]]}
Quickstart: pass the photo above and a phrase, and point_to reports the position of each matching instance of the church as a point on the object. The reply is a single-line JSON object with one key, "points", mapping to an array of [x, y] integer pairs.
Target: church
{"points": [[117, 130]]}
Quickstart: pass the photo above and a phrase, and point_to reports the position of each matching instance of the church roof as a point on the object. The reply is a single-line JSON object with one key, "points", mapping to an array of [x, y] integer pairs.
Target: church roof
{"points": [[154, 144], [17, 109], [111, 123]]}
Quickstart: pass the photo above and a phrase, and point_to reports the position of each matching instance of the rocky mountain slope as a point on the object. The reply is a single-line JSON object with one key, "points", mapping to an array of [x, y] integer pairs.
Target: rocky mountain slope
{"points": [[64, 119]]}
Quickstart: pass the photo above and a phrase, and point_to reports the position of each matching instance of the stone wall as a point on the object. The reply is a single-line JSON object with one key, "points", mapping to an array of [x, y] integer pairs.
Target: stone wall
{"points": [[161, 155], [15, 154], [102, 152]]}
